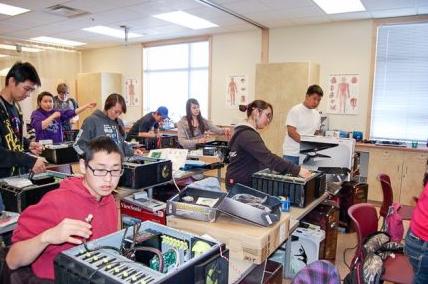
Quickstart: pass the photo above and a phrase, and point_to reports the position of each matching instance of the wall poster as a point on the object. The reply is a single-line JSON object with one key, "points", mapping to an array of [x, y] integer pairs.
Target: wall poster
{"points": [[131, 97], [343, 93], [236, 90]]}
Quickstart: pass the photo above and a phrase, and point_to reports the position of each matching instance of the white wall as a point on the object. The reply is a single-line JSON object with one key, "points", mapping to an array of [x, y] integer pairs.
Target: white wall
{"points": [[232, 54], [126, 60], [339, 48]]}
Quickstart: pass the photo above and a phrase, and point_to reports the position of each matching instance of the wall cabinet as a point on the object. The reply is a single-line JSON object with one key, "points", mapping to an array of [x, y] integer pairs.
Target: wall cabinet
{"points": [[96, 87], [405, 168]]}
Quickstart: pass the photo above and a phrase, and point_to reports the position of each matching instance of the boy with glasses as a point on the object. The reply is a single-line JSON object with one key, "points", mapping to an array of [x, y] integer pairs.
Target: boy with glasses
{"points": [[61, 219], [21, 81]]}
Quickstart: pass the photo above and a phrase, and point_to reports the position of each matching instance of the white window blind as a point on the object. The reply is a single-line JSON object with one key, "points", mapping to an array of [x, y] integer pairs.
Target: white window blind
{"points": [[175, 73], [400, 91]]}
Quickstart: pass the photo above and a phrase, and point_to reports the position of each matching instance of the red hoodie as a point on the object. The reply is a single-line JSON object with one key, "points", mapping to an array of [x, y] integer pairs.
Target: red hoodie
{"points": [[71, 200]]}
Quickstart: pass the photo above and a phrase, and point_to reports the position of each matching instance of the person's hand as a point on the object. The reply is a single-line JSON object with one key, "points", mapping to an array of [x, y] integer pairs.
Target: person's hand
{"points": [[39, 166], [36, 148], [201, 140], [66, 232], [56, 115], [138, 152], [92, 105], [304, 173]]}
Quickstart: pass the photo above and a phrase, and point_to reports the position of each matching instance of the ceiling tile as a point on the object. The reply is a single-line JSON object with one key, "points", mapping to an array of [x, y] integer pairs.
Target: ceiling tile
{"points": [[393, 13]]}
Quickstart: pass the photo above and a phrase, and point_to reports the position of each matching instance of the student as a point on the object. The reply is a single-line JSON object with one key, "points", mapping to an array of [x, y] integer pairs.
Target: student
{"points": [[142, 127], [48, 122], [58, 223], [21, 81], [303, 119], [416, 242], [192, 128], [63, 102], [249, 154], [105, 123]]}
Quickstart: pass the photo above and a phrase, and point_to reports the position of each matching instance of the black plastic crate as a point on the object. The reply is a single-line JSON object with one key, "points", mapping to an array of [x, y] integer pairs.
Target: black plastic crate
{"points": [[299, 191]]}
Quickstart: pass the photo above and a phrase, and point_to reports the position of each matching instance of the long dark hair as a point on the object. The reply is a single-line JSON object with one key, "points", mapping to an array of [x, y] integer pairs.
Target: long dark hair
{"points": [[189, 117], [257, 104], [110, 102]]}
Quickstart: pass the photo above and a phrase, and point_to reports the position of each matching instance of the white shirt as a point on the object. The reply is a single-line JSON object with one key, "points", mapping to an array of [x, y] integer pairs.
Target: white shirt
{"points": [[306, 121]]}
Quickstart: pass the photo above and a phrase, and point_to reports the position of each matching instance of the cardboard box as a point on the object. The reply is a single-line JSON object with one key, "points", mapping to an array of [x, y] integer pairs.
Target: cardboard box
{"points": [[244, 240]]}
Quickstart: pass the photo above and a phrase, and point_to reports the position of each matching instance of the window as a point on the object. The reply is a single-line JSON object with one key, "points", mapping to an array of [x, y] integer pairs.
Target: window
{"points": [[400, 90], [175, 73]]}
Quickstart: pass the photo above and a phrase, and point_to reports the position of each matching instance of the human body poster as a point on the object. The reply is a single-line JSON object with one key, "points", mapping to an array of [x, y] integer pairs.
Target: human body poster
{"points": [[130, 96], [343, 93], [237, 90]]}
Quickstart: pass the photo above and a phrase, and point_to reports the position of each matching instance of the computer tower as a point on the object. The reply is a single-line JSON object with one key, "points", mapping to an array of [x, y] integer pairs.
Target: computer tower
{"points": [[326, 216], [351, 193]]}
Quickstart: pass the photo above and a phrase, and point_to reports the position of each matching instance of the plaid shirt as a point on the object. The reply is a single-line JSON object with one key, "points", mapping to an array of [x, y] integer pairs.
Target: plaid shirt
{"points": [[318, 272]]}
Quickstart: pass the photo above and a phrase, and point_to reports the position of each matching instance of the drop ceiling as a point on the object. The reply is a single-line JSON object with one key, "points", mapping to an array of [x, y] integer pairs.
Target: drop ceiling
{"points": [[137, 15]]}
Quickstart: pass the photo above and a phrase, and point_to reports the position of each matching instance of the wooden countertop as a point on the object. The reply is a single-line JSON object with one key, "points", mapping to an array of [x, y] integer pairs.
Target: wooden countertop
{"points": [[367, 146]]}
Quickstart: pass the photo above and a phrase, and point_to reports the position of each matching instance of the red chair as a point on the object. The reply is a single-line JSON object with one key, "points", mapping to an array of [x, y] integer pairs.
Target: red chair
{"points": [[405, 211], [365, 220]]}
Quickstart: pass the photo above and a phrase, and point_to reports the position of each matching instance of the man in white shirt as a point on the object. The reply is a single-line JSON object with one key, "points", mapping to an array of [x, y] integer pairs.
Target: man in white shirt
{"points": [[303, 119]]}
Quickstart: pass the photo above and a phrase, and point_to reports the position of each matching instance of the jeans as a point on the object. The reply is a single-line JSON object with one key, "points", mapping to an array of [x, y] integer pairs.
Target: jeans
{"points": [[417, 251], [293, 159]]}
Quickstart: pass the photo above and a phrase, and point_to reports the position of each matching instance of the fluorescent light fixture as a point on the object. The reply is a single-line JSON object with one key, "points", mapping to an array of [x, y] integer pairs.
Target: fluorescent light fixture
{"points": [[340, 6], [57, 41], [118, 33], [11, 10], [3, 55], [19, 47], [185, 19]]}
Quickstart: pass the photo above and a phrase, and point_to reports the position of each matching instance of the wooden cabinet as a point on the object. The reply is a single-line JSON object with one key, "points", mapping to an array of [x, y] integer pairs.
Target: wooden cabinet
{"points": [[405, 167], [95, 87], [283, 85], [413, 170], [387, 162]]}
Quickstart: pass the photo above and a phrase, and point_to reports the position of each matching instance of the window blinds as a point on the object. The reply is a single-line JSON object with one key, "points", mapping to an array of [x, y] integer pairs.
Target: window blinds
{"points": [[400, 92]]}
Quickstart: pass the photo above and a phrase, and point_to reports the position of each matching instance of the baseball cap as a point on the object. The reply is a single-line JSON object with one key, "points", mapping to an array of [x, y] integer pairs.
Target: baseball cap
{"points": [[162, 111]]}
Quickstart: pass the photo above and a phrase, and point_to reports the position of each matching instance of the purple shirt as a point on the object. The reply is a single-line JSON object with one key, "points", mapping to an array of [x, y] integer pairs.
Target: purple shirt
{"points": [[54, 131]]}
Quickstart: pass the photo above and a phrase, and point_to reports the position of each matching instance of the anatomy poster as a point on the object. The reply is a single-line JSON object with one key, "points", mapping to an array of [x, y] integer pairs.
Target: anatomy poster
{"points": [[343, 93], [131, 97], [237, 90]]}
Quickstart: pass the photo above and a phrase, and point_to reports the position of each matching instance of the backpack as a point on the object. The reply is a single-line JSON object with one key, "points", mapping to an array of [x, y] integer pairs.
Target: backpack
{"points": [[368, 268], [393, 223]]}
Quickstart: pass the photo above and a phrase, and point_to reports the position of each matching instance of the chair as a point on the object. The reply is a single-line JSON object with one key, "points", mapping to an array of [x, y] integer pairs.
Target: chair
{"points": [[405, 211], [365, 220]]}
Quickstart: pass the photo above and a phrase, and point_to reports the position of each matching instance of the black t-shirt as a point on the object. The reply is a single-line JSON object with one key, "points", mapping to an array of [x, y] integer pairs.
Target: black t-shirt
{"points": [[144, 124], [14, 118]]}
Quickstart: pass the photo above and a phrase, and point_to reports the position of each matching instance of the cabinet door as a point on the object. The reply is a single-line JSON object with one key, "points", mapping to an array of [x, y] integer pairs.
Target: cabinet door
{"points": [[389, 162], [413, 172]]}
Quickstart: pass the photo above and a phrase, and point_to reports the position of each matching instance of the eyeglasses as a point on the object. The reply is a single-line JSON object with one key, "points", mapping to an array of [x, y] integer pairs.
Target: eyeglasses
{"points": [[268, 115], [103, 172]]}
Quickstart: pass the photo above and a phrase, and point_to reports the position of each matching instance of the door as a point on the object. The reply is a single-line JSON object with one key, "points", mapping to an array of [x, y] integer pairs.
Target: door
{"points": [[385, 161]]}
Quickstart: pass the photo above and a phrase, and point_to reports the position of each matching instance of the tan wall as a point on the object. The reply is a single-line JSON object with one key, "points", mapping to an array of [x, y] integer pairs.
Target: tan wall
{"points": [[53, 67], [338, 48], [126, 60], [232, 54]]}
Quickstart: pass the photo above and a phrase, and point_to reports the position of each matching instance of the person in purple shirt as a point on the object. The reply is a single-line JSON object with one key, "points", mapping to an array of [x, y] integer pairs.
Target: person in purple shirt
{"points": [[48, 122]]}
